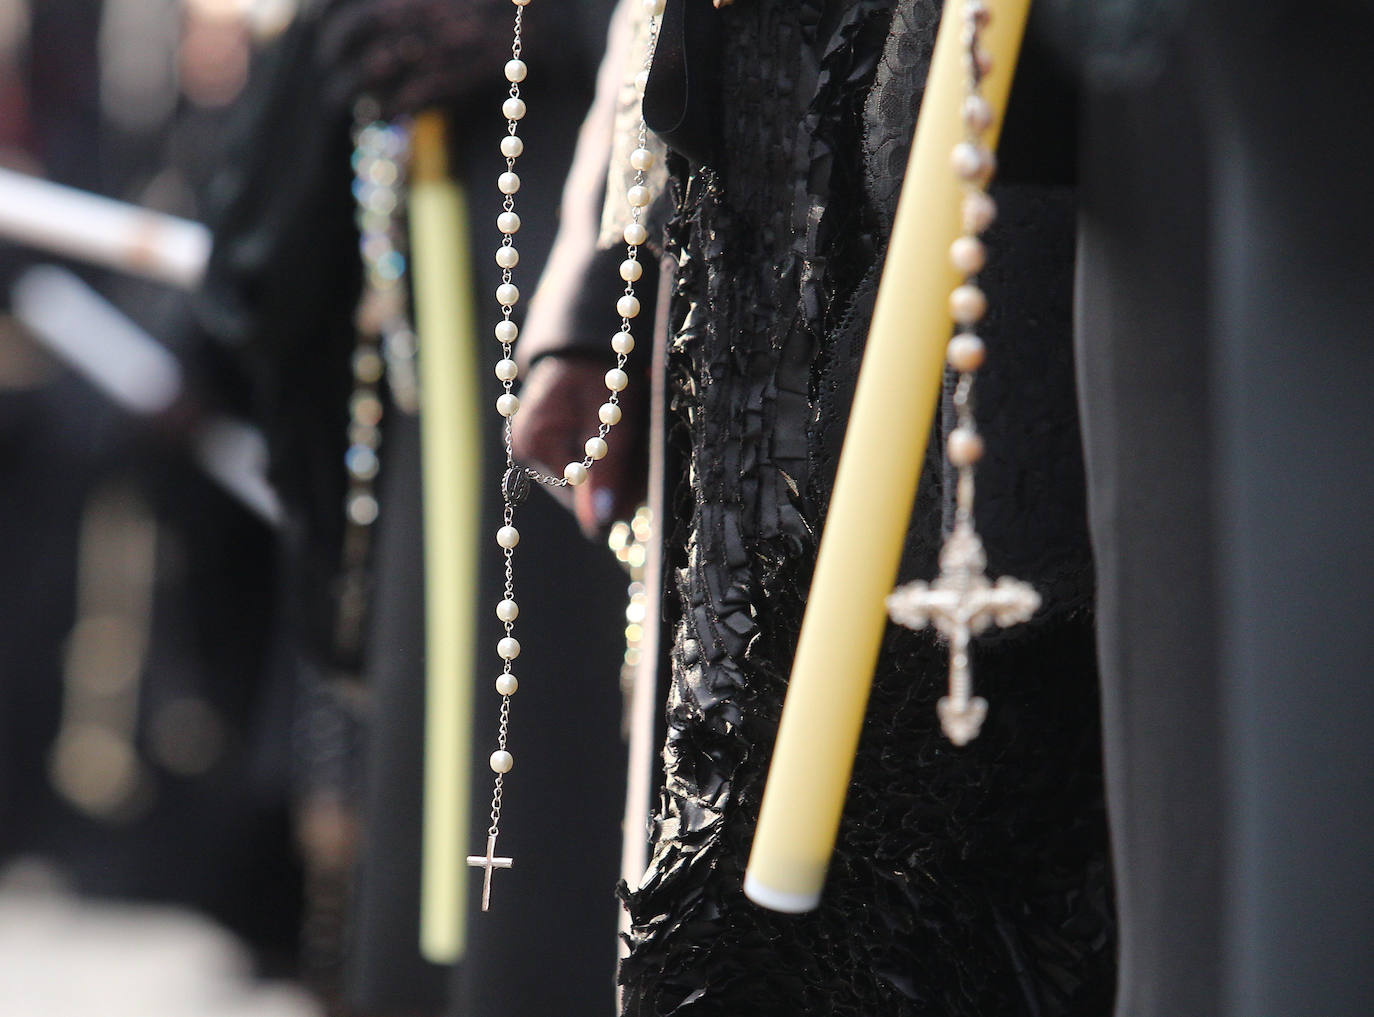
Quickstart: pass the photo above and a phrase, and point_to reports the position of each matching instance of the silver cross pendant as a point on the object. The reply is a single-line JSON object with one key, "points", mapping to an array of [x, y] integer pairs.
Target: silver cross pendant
{"points": [[961, 603], [489, 862]]}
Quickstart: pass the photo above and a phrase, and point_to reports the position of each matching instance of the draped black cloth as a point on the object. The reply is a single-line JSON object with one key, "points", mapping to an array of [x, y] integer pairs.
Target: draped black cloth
{"points": [[1226, 368]]}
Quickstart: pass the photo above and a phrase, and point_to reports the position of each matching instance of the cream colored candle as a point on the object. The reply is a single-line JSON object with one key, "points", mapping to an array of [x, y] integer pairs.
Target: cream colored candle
{"points": [[451, 446], [875, 486]]}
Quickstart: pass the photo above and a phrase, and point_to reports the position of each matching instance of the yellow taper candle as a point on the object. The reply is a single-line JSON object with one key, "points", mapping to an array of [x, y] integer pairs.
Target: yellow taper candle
{"points": [[875, 484], [450, 436]]}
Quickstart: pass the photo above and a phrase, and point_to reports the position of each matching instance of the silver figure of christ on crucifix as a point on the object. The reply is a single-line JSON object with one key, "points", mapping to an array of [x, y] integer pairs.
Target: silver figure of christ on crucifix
{"points": [[961, 603]]}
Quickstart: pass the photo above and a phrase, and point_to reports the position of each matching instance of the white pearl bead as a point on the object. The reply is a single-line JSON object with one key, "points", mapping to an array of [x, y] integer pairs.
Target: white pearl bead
{"points": [[508, 222], [968, 255], [513, 108], [963, 158], [520, 3], [642, 159], [363, 509], [508, 610], [507, 257], [966, 352], [967, 304], [508, 648], [979, 212], [616, 379], [507, 294], [512, 147], [508, 537], [971, 162], [964, 446], [506, 331], [635, 234], [596, 448], [368, 366], [502, 761], [506, 684], [977, 113], [631, 270], [516, 70], [622, 342], [641, 81], [627, 306], [638, 196], [508, 405], [508, 183], [575, 474], [609, 414], [653, 8], [984, 61], [507, 369]]}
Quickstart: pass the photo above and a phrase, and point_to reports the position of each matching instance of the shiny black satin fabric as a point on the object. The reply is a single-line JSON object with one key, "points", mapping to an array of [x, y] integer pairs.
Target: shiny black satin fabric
{"points": [[965, 882], [682, 96]]}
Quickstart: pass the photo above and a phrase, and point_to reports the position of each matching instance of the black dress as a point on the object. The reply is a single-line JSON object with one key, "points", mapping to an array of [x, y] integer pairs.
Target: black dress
{"points": [[966, 881]]}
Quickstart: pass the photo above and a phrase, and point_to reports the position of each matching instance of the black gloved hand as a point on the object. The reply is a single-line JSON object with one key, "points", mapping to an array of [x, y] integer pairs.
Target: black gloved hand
{"points": [[411, 54]]}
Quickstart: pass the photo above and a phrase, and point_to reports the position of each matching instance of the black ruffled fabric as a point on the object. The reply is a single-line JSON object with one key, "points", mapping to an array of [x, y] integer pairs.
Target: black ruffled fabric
{"points": [[965, 882]]}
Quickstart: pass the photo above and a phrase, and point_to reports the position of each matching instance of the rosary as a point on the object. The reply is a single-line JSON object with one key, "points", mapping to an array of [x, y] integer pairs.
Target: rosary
{"points": [[516, 480], [962, 602]]}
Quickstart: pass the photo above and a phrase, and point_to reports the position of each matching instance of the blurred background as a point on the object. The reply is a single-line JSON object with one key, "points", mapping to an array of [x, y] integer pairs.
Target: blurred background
{"points": [[145, 756], [182, 696]]}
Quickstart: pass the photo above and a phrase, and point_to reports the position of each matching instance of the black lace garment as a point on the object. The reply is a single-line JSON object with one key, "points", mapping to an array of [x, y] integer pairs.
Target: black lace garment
{"points": [[966, 881]]}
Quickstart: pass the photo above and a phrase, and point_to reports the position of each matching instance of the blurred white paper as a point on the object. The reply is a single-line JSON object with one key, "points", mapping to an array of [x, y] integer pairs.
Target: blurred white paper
{"points": [[88, 227]]}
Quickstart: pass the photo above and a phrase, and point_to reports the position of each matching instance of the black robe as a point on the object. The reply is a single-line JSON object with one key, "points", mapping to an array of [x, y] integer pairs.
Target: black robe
{"points": [[1226, 365], [967, 881]]}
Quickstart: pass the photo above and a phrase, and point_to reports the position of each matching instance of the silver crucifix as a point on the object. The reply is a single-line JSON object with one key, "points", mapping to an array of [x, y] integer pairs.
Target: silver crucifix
{"points": [[489, 862], [961, 603]]}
